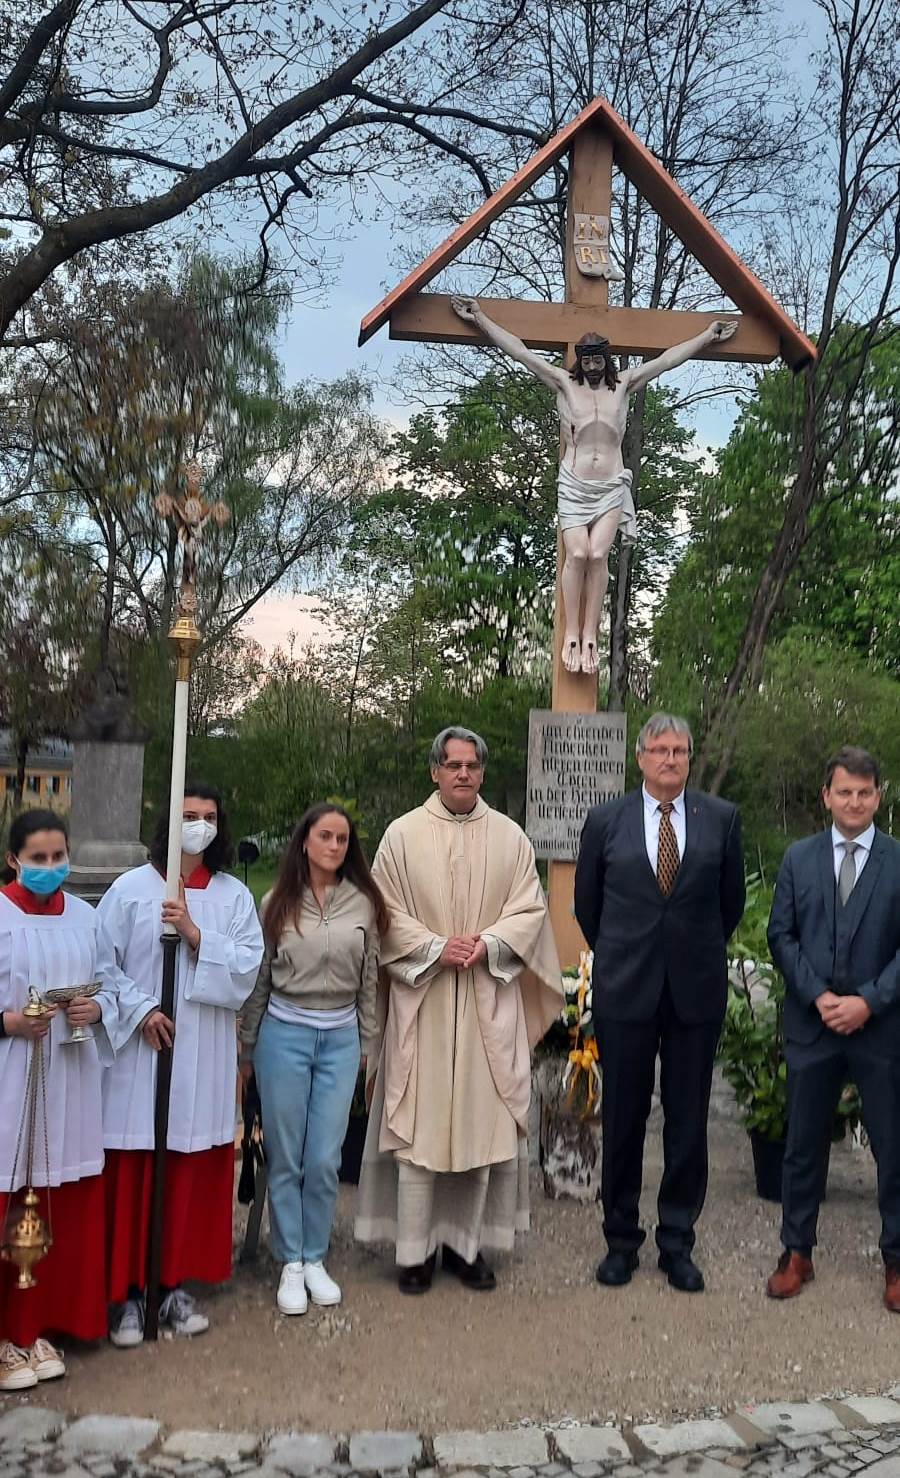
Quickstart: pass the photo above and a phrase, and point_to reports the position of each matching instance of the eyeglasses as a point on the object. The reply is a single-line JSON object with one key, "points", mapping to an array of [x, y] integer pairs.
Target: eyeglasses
{"points": [[666, 751], [456, 766]]}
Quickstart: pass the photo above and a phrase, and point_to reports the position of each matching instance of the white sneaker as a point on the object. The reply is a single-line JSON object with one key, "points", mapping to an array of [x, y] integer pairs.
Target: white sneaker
{"points": [[322, 1289], [128, 1329], [16, 1373], [180, 1312], [291, 1296], [46, 1361]]}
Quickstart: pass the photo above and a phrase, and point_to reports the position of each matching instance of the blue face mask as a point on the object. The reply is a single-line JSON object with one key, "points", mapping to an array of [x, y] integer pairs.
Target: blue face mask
{"points": [[43, 880]]}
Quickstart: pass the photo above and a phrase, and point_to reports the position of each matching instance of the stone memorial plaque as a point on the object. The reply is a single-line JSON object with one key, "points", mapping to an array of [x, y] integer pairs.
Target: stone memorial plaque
{"points": [[575, 761]]}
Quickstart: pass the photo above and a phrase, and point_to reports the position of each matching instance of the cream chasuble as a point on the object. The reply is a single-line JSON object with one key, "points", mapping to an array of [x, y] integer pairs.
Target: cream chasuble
{"points": [[454, 1073]]}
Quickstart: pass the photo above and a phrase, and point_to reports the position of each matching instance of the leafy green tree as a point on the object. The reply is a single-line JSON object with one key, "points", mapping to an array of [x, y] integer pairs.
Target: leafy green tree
{"points": [[814, 697], [842, 261], [484, 473], [844, 584], [474, 514]]}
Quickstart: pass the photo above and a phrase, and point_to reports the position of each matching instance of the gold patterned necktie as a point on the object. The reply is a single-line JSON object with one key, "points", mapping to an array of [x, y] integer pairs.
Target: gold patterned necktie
{"points": [[668, 858]]}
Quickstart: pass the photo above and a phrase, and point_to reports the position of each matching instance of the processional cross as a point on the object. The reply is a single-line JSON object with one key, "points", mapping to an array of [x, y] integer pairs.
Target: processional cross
{"points": [[594, 141], [190, 514]]}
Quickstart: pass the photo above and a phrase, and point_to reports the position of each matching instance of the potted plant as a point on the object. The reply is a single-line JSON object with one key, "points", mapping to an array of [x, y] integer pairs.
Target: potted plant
{"points": [[355, 1138], [567, 1078], [751, 1047]]}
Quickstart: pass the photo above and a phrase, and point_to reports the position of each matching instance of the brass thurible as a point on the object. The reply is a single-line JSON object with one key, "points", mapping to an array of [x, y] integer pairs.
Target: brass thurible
{"points": [[27, 1238]]}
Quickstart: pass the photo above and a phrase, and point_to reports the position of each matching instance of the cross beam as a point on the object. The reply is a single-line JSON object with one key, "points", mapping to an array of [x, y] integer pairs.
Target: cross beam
{"points": [[429, 318]]}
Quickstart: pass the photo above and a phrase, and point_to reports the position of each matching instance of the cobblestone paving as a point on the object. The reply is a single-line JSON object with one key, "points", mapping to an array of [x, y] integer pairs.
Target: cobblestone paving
{"points": [[793, 1440], [770, 1441]]}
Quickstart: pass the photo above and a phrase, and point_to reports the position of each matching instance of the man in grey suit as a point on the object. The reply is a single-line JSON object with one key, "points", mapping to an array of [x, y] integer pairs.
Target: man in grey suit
{"points": [[834, 933], [659, 887]]}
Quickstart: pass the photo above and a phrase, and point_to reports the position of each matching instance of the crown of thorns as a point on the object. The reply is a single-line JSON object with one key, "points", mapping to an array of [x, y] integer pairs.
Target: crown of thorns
{"points": [[591, 344]]}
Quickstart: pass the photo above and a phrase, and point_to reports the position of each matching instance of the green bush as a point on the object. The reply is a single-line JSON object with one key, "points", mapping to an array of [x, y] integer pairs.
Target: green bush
{"points": [[751, 1046]]}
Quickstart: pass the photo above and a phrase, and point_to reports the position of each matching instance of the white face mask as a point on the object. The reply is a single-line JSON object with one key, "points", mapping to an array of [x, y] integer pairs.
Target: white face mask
{"points": [[196, 837]]}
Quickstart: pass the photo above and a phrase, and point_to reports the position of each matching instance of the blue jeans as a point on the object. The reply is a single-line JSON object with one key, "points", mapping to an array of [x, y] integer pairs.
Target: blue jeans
{"points": [[306, 1080]]}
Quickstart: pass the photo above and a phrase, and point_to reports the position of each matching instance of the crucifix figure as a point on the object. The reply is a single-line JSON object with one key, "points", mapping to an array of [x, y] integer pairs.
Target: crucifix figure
{"points": [[595, 499], [191, 514]]}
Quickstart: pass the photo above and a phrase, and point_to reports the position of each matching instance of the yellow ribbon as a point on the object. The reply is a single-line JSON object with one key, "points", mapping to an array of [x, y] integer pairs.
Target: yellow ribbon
{"points": [[584, 1059]]}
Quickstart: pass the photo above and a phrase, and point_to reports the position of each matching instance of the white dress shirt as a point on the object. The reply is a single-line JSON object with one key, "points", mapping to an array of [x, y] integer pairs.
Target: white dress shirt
{"points": [[652, 818], [863, 847]]}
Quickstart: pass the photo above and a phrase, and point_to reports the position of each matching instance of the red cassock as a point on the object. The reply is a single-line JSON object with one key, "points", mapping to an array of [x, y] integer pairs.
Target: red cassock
{"points": [[70, 1293], [70, 1296], [197, 1218]]}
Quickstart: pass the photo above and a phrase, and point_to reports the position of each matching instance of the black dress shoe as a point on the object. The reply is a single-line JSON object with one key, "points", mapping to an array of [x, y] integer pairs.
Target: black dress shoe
{"points": [[617, 1268], [682, 1272], [476, 1275], [417, 1278]]}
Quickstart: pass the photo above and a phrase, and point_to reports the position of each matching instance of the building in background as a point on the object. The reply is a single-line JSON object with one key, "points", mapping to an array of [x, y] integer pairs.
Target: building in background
{"points": [[48, 773]]}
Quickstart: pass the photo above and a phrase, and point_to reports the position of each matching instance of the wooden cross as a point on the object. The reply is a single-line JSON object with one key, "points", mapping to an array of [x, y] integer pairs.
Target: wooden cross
{"points": [[594, 141]]}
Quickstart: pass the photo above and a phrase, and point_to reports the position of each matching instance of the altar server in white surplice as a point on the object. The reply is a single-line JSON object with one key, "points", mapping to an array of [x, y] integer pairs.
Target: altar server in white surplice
{"points": [[50, 940], [474, 983], [218, 959]]}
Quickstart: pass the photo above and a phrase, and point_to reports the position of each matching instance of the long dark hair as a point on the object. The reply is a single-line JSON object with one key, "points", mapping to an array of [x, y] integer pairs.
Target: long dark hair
{"points": [[24, 826], [219, 855], [283, 907]]}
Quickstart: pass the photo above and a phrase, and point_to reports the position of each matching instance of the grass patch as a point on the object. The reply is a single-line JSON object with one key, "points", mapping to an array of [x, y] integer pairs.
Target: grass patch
{"points": [[260, 876]]}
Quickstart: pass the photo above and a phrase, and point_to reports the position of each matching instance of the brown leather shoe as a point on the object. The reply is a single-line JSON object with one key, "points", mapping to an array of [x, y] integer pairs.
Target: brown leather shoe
{"points": [[792, 1272], [892, 1287]]}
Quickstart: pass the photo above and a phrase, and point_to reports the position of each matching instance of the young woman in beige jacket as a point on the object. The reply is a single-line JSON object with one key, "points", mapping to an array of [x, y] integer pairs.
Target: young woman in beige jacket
{"points": [[305, 1027]]}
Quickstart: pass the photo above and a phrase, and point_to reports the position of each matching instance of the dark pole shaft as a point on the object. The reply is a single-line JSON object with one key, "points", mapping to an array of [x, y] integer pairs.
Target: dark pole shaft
{"points": [[170, 943]]}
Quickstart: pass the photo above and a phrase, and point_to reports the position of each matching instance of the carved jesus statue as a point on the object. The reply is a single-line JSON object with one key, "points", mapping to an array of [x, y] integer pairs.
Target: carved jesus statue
{"points": [[595, 499]]}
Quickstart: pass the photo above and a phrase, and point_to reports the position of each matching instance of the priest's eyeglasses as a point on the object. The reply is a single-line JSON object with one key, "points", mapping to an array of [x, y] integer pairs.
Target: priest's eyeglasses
{"points": [[666, 751], [457, 766]]}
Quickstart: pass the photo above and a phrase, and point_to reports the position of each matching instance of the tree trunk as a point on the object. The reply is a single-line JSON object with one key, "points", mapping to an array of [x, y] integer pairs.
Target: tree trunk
{"points": [[109, 591], [21, 762]]}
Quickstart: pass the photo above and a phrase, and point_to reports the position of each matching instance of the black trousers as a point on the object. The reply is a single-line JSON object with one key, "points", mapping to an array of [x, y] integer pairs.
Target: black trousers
{"points": [[628, 1051], [817, 1072]]}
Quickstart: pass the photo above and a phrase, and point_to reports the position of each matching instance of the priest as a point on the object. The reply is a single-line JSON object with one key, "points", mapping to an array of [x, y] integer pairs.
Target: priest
{"points": [[472, 982]]}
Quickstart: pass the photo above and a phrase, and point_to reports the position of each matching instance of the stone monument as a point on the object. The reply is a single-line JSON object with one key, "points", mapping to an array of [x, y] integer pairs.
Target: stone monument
{"points": [[107, 787]]}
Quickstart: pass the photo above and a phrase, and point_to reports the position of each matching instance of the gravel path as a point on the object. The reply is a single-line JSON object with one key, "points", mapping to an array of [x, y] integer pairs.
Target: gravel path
{"points": [[548, 1345]]}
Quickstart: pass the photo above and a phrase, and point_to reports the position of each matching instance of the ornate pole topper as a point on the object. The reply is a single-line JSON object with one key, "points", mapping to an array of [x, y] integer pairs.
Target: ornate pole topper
{"points": [[190, 514]]}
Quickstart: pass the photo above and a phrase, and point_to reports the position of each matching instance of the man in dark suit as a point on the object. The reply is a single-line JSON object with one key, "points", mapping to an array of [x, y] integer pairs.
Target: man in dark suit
{"points": [[659, 887], [834, 933]]}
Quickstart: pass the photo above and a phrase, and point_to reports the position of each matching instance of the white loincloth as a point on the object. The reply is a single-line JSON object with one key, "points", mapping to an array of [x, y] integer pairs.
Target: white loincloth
{"points": [[582, 502]]}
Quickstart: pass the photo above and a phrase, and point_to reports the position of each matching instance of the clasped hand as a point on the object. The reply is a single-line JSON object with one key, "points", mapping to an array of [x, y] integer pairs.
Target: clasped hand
{"points": [[83, 1011], [842, 1014], [462, 951], [175, 911], [32, 1028]]}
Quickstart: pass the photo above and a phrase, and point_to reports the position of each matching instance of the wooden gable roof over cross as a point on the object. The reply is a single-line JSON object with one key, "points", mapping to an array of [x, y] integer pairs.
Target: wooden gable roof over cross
{"points": [[765, 330]]}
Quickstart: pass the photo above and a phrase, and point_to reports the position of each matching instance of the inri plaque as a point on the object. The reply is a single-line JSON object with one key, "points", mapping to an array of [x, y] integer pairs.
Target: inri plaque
{"points": [[575, 761]]}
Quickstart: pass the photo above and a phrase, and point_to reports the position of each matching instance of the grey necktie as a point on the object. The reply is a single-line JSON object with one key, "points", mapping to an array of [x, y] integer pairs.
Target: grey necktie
{"points": [[847, 874]]}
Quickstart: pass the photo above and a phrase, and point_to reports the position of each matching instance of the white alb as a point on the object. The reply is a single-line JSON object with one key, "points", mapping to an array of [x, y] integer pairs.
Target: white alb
{"points": [[210, 987]]}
